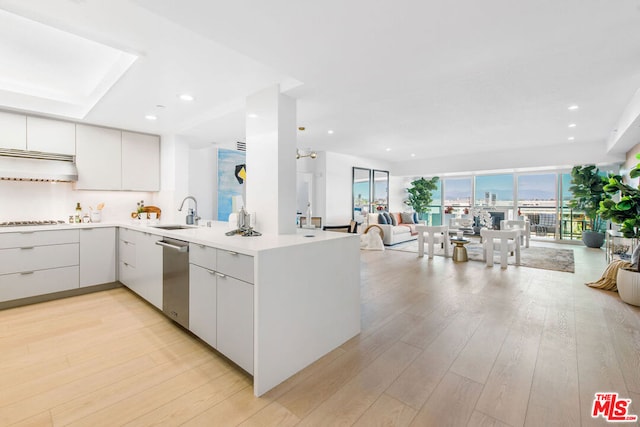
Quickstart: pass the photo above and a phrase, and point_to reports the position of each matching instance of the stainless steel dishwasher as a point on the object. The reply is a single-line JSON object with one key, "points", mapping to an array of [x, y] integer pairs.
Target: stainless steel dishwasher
{"points": [[175, 280]]}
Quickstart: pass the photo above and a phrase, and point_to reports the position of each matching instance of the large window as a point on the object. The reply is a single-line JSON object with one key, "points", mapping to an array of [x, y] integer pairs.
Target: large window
{"points": [[494, 190], [435, 209], [537, 201], [457, 192]]}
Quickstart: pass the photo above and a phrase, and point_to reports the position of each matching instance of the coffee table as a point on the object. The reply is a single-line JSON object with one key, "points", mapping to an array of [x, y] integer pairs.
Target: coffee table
{"points": [[459, 251]]}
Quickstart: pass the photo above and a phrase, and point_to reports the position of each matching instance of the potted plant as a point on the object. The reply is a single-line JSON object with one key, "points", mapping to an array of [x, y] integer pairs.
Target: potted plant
{"points": [[587, 188], [420, 195], [627, 213]]}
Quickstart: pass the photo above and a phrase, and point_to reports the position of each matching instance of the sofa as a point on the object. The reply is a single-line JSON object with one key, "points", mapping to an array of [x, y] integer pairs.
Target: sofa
{"points": [[397, 227]]}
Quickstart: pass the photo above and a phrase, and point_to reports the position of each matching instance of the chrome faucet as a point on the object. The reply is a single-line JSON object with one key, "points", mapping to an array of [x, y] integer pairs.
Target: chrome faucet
{"points": [[192, 216]]}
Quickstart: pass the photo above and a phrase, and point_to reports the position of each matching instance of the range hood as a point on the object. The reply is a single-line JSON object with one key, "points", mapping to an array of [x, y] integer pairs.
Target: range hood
{"points": [[20, 165]]}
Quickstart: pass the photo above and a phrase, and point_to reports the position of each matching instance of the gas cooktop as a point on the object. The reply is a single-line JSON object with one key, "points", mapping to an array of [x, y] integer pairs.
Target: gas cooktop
{"points": [[25, 223]]}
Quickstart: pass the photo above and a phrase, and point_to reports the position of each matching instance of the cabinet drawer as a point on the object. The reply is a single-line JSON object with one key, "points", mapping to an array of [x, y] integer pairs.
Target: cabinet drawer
{"points": [[127, 251], [235, 265], [38, 238], [203, 256], [126, 274], [21, 285], [127, 235], [20, 260]]}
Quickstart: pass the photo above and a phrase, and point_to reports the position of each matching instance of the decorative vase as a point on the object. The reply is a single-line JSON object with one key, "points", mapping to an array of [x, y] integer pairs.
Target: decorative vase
{"points": [[628, 283], [592, 239]]}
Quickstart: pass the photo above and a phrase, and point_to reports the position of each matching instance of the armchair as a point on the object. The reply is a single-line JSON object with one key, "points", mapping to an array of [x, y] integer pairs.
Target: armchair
{"points": [[435, 234]]}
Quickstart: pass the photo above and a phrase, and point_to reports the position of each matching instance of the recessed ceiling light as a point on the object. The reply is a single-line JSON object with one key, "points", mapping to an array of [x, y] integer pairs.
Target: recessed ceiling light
{"points": [[388, 149], [252, 115], [151, 117], [160, 106], [571, 138], [573, 107], [186, 97], [572, 125], [330, 132], [413, 155]]}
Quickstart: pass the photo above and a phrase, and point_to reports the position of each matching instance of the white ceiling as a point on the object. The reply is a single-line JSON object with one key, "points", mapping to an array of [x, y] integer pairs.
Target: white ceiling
{"points": [[430, 78]]}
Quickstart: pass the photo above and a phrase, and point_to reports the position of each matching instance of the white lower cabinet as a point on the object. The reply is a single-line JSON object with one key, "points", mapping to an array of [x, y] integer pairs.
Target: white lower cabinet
{"points": [[235, 321], [38, 263], [97, 256], [149, 268], [221, 305], [41, 282], [202, 303], [140, 265]]}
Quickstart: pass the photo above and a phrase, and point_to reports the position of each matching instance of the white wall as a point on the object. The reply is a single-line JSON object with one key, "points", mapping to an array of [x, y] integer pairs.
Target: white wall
{"points": [[203, 178], [27, 200], [338, 182]]}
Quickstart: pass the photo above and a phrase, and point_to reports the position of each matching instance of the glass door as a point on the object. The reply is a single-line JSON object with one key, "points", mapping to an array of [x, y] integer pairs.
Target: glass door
{"points": [[361, 194], [380, 199]]}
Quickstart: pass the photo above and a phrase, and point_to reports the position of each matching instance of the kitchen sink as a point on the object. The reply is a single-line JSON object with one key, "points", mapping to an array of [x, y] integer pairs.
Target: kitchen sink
{"points": [[174, 227]]}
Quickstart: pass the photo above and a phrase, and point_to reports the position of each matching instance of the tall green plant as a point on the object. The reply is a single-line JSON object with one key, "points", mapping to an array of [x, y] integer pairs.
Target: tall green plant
{"points": [[587, 188], [627, 210], [420, 194]]}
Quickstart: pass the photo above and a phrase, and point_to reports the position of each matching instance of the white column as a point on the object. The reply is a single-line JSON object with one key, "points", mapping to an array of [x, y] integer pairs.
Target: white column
{"points": [[271, 161]]}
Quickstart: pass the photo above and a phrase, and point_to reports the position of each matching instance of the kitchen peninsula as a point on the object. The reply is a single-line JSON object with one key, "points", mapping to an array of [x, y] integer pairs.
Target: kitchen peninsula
{"points": [[305, 287]]}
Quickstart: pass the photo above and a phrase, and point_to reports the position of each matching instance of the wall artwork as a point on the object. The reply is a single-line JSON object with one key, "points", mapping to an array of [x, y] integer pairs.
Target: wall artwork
{"points": [[231, 182]]}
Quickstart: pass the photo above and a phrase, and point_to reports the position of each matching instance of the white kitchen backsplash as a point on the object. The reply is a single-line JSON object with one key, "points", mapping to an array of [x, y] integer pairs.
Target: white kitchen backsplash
{"points": [[28, 200]]}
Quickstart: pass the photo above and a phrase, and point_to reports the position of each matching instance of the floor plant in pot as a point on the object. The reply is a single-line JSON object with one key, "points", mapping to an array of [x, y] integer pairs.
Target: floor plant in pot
{"points": [[626, 211], [587, 188], [421, 195]]}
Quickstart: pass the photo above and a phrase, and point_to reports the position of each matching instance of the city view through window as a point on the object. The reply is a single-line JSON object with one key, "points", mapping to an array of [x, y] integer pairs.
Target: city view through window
{"points": [[539, 197]]}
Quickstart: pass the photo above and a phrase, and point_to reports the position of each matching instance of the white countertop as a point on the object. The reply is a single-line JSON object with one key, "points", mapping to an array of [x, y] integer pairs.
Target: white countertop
{"points": [[210, 236]]}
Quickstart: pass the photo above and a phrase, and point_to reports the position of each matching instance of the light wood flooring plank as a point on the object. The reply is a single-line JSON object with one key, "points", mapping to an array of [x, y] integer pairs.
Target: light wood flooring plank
{"points": [[478, 419], [450, 404], [387, 412], [555, 395], [348, 403], [121, 403], [230, 412], [274, 415], [195, 402], [506, 393], [625, 335], [417, 382], [476, 360], [314, 390]]}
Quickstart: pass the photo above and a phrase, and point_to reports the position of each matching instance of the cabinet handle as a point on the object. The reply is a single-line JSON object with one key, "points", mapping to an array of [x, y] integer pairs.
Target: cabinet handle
{"points": [[26, 248], [221, 275], [24, 273], [211, 272], [201, 246], [125, 264], [232, 253], [26, 232]]}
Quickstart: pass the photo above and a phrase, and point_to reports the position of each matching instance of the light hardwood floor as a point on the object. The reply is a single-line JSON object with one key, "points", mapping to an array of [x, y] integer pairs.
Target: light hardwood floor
{"points": [[441, 344]]}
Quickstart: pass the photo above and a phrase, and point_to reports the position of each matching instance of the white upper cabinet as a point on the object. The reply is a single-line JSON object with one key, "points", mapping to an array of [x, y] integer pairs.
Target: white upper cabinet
{"points": [[13, 131], [51, 136], [98, 158], [140, 162]]}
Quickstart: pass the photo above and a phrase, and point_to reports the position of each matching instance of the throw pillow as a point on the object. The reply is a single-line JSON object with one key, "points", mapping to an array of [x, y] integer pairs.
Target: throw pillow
{"points": [[407, 218], [388, 217], [415, 217], [395, 218], [382, 219]]}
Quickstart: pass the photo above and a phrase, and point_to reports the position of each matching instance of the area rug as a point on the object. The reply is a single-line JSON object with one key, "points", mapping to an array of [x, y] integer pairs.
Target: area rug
{"points": [[534, 256]]}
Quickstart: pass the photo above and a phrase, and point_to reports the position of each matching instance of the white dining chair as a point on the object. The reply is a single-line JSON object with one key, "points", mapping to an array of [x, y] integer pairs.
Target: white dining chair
{"points": [[434, 234], [504, 240], [523, 225]]}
